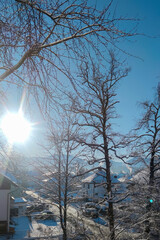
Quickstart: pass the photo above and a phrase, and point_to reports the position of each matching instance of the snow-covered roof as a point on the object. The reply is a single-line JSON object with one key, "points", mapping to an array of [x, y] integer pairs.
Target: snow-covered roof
{"points": [[49, 180], [20, 200], [48, 174], [72, 174], [9, 176], [122, 179], [90, 178], [99, 177]]}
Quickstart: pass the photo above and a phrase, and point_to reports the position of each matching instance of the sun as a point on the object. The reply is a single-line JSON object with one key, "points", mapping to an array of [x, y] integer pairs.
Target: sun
{"points": [[15, 127]]}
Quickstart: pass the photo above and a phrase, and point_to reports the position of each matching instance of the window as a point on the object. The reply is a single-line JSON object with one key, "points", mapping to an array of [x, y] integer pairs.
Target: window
{"points": [[3, 227]]}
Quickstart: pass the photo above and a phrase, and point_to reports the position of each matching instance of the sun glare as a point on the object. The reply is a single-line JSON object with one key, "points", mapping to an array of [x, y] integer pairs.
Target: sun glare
{"points": [[15, 127]]}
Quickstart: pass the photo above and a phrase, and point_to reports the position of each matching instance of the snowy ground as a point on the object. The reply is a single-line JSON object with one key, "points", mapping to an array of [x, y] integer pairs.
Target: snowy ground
{"points": [[44, 228], [25, 228]]}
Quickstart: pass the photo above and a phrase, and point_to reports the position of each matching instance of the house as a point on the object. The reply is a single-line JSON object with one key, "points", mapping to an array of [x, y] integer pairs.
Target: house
{"points": [[18, 206], [5, 191], [94, 186]]}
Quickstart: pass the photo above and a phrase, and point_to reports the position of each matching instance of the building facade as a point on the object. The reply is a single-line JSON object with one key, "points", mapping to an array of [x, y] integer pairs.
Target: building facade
{"points": [[5, 186]]}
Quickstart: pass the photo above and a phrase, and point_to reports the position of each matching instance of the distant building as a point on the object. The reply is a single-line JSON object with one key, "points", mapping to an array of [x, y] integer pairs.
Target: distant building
{"points": [[5, 191], [18, 206], [94, 186]]}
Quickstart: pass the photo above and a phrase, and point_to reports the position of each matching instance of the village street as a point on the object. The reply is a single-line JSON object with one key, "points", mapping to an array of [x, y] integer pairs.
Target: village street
{"points": [[76, 221]]}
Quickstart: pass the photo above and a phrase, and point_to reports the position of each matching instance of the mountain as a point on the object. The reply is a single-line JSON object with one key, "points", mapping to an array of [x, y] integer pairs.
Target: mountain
{"points": [[119, 167]]}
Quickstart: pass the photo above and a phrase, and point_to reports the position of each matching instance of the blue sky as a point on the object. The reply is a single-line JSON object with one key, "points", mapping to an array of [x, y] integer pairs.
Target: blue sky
{"points": [[145, 72]]}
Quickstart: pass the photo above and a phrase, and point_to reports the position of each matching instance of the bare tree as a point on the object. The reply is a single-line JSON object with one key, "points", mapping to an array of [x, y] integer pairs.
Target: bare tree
{"points": [[59, 182], [145, 183], [96, 107], [41, 41], [143, 209], [148, 137]]}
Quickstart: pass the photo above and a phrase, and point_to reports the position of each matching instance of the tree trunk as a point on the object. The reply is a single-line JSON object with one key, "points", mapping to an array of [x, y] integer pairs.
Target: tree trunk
{"points": [[109, 191], [151, 177], [60, 196], [111, 221], [66, 190], [64, 234]]}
